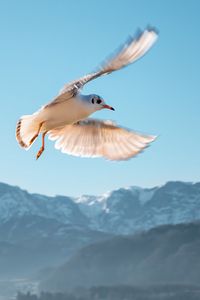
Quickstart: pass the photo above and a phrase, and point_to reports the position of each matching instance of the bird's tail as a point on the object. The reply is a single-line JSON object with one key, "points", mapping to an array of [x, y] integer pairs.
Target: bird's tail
{"points": [[26, 129]]}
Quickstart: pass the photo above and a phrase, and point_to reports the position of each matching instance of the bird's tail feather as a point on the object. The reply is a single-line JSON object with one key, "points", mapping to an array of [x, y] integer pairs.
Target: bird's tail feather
{"points": [[26, 129]]}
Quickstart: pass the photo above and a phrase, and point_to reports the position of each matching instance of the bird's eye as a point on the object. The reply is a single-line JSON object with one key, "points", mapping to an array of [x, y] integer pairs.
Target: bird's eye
{"points": [[99, 101], [92, 100]]}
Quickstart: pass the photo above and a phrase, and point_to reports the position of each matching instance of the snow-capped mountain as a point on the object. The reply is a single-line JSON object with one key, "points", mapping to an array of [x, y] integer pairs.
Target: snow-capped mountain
{"points": [[127, 210], [116, 211], [15, 202], [122, 211]]}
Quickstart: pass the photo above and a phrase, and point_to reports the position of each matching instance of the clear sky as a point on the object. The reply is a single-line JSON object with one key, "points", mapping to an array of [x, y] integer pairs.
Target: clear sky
{"points": [[47, 43]]}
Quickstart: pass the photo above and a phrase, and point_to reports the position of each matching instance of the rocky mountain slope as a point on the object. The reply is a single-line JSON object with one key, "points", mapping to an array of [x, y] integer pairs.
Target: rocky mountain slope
{"points": [[122, 211]]}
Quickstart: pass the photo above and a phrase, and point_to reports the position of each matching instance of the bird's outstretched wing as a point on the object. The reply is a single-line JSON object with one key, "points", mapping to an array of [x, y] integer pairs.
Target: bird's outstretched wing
{"points": [[132, 50], [97, 138]]}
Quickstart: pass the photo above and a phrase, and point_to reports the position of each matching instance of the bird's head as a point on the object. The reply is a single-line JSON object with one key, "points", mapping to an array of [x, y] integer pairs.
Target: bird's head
{"points": [[98, 103]]}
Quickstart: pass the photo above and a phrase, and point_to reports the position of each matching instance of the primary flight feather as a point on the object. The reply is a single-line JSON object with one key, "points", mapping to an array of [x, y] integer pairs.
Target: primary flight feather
{"points": [[65, 119]]}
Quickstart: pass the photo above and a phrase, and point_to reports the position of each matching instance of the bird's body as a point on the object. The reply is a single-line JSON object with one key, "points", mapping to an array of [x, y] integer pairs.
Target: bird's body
{"points": [[65, 118], [64, 113]]}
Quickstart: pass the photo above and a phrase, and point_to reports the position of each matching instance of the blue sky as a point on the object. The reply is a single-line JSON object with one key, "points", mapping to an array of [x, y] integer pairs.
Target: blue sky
{"points": [[47, 43]]}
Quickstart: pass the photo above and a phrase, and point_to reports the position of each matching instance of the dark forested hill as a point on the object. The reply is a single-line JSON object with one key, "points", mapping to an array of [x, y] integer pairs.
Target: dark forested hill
{"points": [[154, 292], [167, 254]]}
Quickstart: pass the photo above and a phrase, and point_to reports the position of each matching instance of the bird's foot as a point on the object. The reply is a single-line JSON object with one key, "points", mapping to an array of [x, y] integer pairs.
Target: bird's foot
{"points": [[39, 152], [36, 135]]}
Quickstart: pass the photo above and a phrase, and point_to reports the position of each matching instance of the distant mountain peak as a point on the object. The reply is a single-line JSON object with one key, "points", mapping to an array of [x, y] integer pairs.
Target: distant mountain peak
{"points": [[121, 211]]}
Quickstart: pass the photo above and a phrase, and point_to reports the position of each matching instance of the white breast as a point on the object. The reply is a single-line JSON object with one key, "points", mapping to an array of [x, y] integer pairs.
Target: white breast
{"points": [[63, 113]]}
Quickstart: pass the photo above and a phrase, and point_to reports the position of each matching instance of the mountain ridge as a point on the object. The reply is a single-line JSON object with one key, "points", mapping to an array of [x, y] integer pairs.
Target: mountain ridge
{"points": [[122, 211]]}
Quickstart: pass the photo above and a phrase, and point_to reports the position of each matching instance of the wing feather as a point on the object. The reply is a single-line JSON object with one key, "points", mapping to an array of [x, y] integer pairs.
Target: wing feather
{"points": [[131, 51], [96, 138]]}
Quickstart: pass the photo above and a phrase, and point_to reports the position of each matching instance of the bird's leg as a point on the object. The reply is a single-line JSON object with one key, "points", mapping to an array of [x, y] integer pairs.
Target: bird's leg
{"points": [[42, 148], [36, 135]]}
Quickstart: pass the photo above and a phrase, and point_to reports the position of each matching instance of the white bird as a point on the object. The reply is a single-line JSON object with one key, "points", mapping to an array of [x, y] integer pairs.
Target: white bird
{"points": [[65, 119]]}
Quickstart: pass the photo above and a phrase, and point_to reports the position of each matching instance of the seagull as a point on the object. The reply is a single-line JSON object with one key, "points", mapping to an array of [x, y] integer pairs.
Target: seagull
{"points": [[65, 118]]}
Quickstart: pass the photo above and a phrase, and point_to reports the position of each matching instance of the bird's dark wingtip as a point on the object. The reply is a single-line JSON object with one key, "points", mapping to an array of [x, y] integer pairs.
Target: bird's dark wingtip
{"points": [[152, 28]]}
